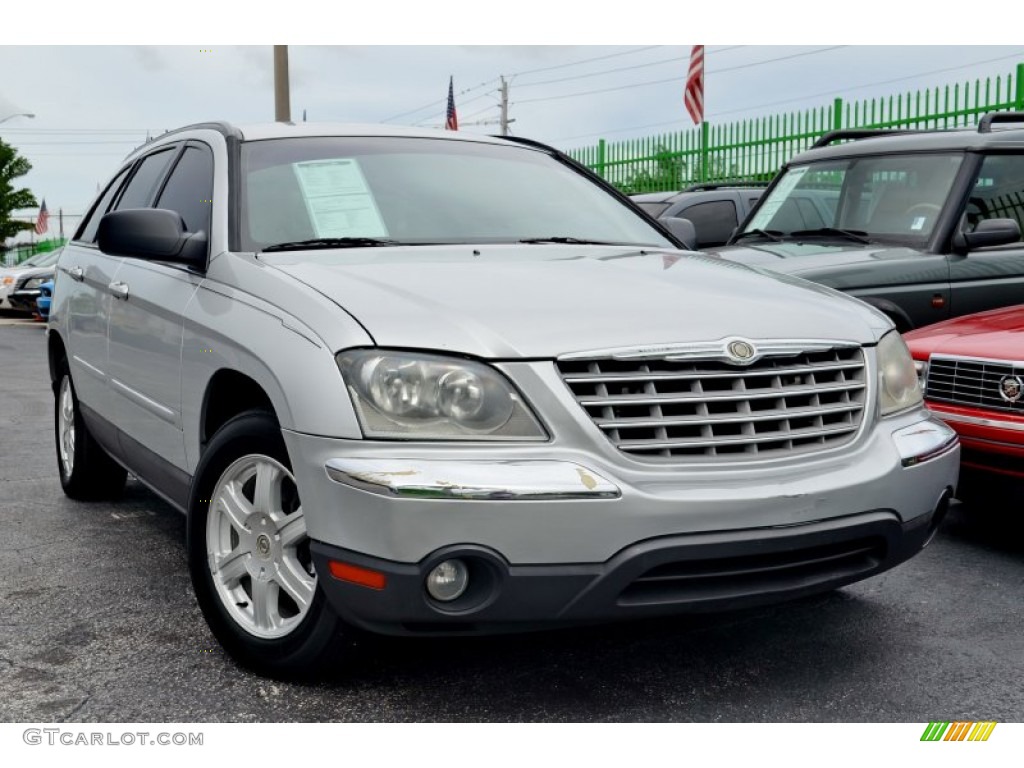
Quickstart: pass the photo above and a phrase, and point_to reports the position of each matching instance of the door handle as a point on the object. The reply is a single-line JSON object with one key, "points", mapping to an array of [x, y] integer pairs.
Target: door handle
{"points": [[119, 289], [77, 273]]}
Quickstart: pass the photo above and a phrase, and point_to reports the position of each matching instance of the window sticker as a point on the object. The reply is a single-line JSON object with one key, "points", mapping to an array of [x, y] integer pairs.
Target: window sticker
{"points": [[767, 211], [338, 199], [918, 223]]}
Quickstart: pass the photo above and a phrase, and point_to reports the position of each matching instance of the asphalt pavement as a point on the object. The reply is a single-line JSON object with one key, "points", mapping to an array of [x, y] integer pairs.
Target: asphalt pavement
{"points": [[98, 622]]}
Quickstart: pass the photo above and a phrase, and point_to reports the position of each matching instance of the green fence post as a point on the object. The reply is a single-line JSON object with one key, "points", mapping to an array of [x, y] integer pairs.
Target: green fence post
{"points": [[704, 154], [1019, 96], [837, 114], [599, 167]]}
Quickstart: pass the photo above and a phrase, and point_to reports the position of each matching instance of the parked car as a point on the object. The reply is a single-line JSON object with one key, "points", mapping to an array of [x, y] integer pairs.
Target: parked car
{"points": [[10, 276], [923, 225], [43, 302], [715, 210], [972, 370], [25, 291], [423, 382]]}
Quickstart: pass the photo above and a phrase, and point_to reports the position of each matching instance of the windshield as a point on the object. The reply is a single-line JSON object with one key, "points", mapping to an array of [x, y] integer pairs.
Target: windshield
{"points": [[886, 198], [420, 191]]}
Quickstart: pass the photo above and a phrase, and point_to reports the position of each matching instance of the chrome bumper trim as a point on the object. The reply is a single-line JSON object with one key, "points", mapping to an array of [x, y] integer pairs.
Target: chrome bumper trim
{"points": [[1011, 426], [924, 441], [472, 480]]}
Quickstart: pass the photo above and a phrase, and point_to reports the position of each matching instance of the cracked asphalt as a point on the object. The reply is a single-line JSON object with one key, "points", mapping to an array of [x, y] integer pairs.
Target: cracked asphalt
{"points": [[98, 623]]}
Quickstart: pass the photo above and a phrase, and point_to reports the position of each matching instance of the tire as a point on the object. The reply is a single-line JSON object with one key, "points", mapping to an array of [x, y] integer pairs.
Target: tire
{"points": [[248, 554], [86, 471]]}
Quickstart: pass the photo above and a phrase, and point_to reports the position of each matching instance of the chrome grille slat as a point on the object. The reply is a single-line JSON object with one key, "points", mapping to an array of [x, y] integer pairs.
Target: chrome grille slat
{"points": [[752, 394], [766, 437], [672, 376], [706, 408], [971, 382], [731, 418]]}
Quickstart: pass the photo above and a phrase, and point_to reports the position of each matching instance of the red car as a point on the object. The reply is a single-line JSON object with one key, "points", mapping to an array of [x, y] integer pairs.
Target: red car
{"points": [[972, 372]]}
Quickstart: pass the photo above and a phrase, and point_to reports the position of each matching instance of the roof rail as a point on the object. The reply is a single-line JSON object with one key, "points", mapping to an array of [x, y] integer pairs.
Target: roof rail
{"points": [[726, 185], [985, 124], [855, 133]]}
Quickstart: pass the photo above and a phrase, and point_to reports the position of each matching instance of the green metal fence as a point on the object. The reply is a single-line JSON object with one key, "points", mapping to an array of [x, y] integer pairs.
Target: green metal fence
{"points": [[755, 149], [19, 253]]}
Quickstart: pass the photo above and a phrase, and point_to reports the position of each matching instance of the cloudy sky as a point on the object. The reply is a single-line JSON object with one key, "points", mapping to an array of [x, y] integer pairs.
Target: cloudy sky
{"points": [[93, 104]]}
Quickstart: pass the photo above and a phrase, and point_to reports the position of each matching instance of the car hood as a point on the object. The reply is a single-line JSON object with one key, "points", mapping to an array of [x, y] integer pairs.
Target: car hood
{"points": [[998, 334], [810, 258], [514, 301]]}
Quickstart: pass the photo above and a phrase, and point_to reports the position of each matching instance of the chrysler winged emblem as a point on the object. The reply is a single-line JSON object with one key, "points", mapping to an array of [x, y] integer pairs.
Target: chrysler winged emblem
{"points": [[1011, 388], [740, 351]]}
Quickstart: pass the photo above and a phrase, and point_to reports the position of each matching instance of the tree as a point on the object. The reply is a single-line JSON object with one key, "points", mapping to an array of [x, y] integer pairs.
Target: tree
{"points": [[13, 166]]}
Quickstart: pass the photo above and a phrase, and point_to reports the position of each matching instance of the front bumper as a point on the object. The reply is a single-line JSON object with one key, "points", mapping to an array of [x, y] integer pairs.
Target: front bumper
{"points": [[673, 574], [554, 534]]}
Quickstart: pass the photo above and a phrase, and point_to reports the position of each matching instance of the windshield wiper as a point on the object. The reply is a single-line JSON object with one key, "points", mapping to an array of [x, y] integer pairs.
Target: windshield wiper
{"points": [[566, 240], [850, 234], [767, 234], [331, 242]]}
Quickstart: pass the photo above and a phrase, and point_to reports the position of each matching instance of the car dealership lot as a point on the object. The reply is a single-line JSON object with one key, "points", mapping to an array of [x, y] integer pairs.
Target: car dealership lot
{"points": [[100, 623]]}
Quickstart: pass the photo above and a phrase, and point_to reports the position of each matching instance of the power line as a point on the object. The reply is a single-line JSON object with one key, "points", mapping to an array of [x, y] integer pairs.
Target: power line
{"points": [[681, 77], [584, 61], [803, 98], [443, 100], [622, 69]]}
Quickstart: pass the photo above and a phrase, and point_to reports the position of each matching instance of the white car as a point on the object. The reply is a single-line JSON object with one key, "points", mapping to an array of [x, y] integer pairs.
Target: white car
{"points": [[9, 277]]}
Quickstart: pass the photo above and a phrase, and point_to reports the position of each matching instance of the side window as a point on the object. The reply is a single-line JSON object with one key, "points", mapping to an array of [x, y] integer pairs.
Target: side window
{"points": [[87, 231], [141, 186], [713, 221], [189, 190], [998, 192]]}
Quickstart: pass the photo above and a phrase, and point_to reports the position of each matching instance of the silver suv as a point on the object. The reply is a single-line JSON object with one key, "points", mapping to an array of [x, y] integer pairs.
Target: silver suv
{"points": [[427, 383]]}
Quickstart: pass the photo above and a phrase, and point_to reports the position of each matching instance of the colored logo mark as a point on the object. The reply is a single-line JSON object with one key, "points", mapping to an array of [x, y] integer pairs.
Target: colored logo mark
{"points": [[959, 731]]}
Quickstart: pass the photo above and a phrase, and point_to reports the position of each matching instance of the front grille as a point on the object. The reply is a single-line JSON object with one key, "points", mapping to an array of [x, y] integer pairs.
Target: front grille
{"points": [[797, 402], [727, 577], [971, 382]]}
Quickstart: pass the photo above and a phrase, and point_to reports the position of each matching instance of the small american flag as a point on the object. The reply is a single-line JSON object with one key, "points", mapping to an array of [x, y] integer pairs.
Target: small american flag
{"points": [[451, 122], [42, 222], [694, 95]]}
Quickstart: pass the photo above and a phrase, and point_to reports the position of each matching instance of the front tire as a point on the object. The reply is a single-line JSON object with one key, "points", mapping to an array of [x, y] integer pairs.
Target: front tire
{"points": [[249, 557], [86, 471]]}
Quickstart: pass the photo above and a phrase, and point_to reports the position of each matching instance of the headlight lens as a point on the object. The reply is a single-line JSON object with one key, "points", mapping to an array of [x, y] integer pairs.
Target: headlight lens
{"points": [[33, 283], [898, 387], [409, 395]]}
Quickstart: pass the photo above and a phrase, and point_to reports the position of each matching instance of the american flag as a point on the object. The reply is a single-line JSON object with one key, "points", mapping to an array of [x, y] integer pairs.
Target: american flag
{"points": [[694, 95], [42, 222], [451, 122]]}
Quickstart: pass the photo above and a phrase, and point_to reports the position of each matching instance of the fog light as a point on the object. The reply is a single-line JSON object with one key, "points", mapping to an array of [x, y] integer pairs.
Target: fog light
{"points": [[448, 580]]}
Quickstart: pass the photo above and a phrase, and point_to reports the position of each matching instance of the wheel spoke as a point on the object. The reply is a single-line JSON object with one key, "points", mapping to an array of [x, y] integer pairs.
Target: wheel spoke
{"points": [[299, 587], [231, 567], [267, 498], [234, 505], [292, 529], [264, 604]]}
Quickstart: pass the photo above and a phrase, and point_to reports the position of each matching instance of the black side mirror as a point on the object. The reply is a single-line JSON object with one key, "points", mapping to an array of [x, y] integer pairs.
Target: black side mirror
{"points": [[989, 232], [153, 234], [683, 229]]}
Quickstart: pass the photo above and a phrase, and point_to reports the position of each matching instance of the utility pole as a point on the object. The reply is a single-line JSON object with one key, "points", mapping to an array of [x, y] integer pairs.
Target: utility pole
{"points": [[282, 97], [504, 107]]}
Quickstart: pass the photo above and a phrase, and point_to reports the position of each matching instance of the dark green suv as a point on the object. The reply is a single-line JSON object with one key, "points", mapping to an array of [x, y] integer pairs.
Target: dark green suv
{"points": [[923, 225]]}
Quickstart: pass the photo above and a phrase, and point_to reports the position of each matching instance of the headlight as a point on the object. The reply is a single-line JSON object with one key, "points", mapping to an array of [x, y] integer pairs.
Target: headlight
{"points": [[409, 395], [898, 387], [32, 283]]}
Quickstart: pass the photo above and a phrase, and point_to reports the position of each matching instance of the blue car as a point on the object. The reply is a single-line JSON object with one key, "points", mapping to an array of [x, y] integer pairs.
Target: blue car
{"points": [[43, 302]]}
